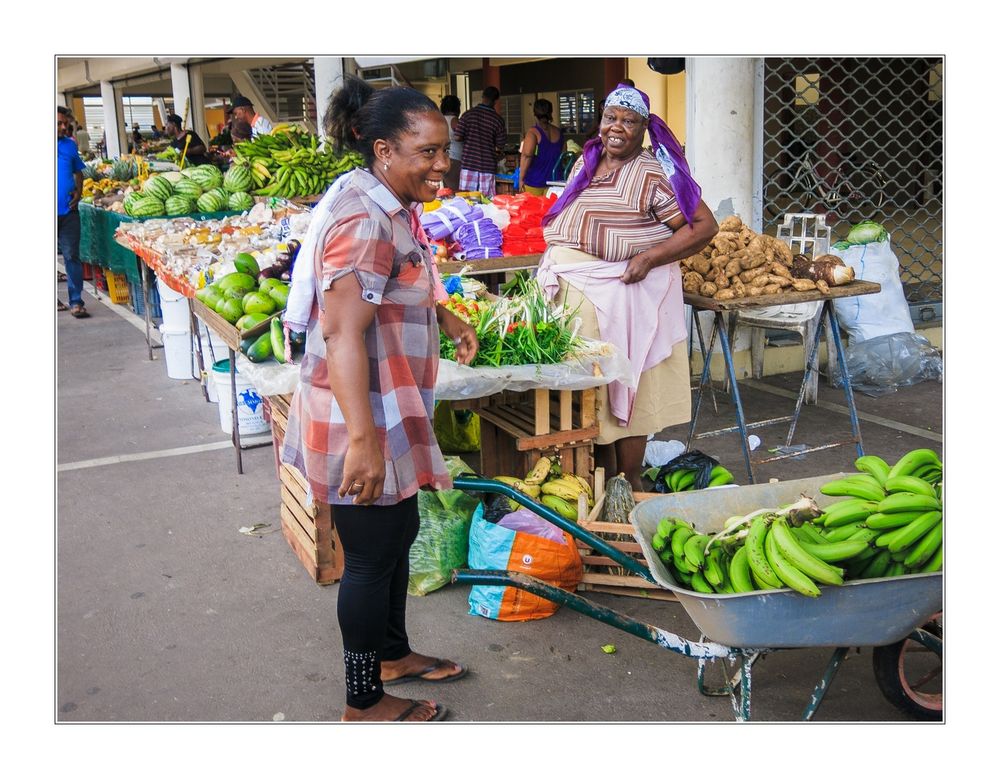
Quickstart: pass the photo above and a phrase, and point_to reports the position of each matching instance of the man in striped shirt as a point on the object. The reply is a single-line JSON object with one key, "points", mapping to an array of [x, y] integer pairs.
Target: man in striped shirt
{"points": [[483, 134]]}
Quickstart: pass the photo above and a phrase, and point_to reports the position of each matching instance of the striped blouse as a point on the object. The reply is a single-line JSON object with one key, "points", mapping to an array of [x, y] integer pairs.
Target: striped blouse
{"points": [[368, 233], [619, 214]]}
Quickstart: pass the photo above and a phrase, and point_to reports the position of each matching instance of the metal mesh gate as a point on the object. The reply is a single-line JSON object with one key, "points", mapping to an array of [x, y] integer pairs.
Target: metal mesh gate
{"points": [[860, 138]]}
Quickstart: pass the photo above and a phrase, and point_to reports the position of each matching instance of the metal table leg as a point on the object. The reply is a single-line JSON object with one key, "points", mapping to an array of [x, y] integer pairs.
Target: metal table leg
{"points": [[145, 304], [705, 371], [236, 423], [734, 391], [196, 337], [834, 331]]}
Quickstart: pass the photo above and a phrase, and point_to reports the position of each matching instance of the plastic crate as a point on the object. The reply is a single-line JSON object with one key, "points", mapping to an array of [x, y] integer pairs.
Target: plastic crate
{"points": [[118, 288], [135, 291]]}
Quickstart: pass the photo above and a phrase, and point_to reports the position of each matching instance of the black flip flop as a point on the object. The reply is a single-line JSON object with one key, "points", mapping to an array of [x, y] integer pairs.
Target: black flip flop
{"points": [[60, 306], [440, 712], [79, 312], [419, 676]]}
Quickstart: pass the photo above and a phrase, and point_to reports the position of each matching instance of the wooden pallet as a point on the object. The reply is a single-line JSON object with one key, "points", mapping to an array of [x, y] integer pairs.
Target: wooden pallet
{"points": [[307, 526]]}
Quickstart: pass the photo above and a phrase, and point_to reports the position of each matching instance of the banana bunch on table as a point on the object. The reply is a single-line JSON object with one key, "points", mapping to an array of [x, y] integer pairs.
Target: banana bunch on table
{"points": [[546, 483], [889, 522]]}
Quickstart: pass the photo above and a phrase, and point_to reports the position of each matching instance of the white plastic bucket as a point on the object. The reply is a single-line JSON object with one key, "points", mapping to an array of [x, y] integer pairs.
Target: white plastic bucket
{"points": [[249, 403], [210, 385], [177, 348], [174, 308]]}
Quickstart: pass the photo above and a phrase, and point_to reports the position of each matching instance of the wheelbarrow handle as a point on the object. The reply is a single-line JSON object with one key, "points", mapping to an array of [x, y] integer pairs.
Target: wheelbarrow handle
{"points": [[707, 650], [478, 484]]}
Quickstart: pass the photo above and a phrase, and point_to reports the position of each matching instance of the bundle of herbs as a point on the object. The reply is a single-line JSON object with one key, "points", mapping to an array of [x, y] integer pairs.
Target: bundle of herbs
{"points": [[519, 330]]}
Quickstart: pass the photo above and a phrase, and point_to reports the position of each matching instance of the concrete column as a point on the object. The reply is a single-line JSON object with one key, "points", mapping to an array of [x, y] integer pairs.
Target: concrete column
{"points": [[329, 75], [197, 116], [161, 109], [114, 121], [181, 88], [491, 74], [721, 133]]}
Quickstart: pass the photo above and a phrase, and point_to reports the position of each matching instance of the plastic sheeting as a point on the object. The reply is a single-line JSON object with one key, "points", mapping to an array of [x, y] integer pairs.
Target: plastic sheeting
{"points": [[597, 363]]}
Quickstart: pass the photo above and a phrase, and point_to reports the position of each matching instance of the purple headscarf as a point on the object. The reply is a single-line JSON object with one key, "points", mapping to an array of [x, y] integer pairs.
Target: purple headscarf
{"points": [[665, 147]]}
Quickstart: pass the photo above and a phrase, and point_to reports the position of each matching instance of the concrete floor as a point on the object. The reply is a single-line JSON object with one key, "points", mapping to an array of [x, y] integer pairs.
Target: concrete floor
{"points": [[167, 613]]}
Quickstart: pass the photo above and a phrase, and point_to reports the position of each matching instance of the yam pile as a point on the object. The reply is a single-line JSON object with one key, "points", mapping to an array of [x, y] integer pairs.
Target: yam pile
{"points": [[739, 263]]}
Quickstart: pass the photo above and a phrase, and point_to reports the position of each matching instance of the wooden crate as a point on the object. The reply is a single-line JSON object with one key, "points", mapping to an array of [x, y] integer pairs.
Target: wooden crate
{"points": [[307, 526], [602, 574], [517, 428]]}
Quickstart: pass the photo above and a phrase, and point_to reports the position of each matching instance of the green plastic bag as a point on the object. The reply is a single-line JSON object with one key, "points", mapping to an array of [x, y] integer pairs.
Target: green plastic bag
{"points": [[456, 431], [442, 543]]}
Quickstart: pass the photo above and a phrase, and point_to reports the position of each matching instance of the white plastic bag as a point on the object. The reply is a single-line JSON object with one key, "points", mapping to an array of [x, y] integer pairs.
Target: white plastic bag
{"points": [[885, 313]]}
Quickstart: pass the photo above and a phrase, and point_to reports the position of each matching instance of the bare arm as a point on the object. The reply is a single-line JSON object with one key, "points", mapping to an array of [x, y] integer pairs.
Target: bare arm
{"points": [[686, 240], [347, 365], [77, 189]]}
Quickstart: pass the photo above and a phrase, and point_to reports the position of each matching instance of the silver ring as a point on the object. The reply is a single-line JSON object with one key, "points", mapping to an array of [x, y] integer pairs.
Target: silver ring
{"points": [[456, 341]]}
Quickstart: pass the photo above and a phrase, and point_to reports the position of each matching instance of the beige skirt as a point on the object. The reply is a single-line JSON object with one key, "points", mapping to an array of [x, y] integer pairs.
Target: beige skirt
{"points": [[664, 393]]}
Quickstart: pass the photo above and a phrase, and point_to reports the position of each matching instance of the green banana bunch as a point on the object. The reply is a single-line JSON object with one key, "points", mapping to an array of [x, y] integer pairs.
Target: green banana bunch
{"points": [[683, 479]]}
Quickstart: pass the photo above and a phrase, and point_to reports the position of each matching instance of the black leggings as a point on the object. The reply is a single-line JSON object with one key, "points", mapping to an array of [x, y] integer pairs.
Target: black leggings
{"points": [[371, 604]]}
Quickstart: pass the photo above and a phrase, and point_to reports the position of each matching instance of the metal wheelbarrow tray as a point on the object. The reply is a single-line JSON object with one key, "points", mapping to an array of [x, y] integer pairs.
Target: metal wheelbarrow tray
{"points": [[869, 612]]}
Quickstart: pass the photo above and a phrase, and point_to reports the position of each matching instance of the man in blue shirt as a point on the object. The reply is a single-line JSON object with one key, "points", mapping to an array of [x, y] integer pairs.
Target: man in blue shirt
{"points": [[69, 187]]}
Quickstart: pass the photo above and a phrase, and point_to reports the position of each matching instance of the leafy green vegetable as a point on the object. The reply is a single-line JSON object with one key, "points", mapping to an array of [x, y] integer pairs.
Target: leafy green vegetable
{"points": [[866, 232]]}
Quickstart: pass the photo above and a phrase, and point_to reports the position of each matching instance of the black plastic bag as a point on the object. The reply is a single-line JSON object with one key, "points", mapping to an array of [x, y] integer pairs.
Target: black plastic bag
{"points": [[692, 460]]}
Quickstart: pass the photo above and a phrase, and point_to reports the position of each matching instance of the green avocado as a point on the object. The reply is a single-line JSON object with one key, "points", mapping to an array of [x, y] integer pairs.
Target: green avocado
{"points": [[244, 280], [259, 303], [231, 310]]}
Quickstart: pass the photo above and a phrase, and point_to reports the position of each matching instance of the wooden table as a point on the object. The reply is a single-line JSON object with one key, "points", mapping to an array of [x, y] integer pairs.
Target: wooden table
{"points": [[493, 269], [828, 319]]}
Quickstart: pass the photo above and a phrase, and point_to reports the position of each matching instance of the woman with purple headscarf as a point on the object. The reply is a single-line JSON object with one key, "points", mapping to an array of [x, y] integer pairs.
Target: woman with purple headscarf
{"points": [[615, 236]]}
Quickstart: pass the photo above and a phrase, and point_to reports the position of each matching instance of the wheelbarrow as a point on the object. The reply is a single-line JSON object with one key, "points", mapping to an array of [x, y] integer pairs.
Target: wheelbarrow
{"points": [[891, 614]]}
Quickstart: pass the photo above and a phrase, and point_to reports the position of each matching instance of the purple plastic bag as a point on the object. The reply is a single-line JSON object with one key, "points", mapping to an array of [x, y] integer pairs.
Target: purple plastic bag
{"points": [[525, 521]]}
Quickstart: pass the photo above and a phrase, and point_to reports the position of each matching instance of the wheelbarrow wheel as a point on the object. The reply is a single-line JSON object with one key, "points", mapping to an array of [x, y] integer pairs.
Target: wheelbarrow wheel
{"points": [[909, 675]]}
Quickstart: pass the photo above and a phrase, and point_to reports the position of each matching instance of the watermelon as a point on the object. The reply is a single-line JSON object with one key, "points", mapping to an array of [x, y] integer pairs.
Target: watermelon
{"points": [[237, 178], [128, 200], [188, 187], [147, 205], [240, 201], [172, 176], [210, 202], [207, 176], [158, 187], [177, 205]]}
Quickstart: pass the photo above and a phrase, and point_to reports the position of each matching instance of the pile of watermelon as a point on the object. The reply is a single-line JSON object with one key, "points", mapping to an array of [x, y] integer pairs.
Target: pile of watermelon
{"points": [[201, 188]]}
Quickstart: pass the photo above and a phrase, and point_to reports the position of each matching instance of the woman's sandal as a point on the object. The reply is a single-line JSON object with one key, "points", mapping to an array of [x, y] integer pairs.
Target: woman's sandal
{"points": [[420, 676], [440, 712]]}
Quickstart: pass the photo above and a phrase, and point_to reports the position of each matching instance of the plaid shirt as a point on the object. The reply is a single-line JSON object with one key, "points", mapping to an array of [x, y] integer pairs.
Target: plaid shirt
{"points": [[482, 132], [366, 231]]}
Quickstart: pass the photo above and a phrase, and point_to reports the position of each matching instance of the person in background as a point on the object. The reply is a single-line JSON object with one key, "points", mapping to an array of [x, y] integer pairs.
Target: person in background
{"points": [[241, 131], [82, 138], [615, 237], [156, 132], [69, 181], [451, 108], [360, 425], [483, 133], [224, 138], [196, 149], [136, 138], [243, 109], [540, 149]]}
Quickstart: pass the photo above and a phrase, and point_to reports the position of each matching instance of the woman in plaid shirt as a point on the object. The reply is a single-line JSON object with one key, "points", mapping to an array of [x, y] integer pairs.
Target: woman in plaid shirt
{"points": [[360, 426]]}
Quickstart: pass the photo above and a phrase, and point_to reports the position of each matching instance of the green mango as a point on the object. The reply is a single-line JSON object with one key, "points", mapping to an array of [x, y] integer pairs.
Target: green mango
{"points": [[210, 296], [250, 321], [246, 263], [279, 295], [259, 303], [231, 310], [237, 280], [267, 283], [238, 293]]}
